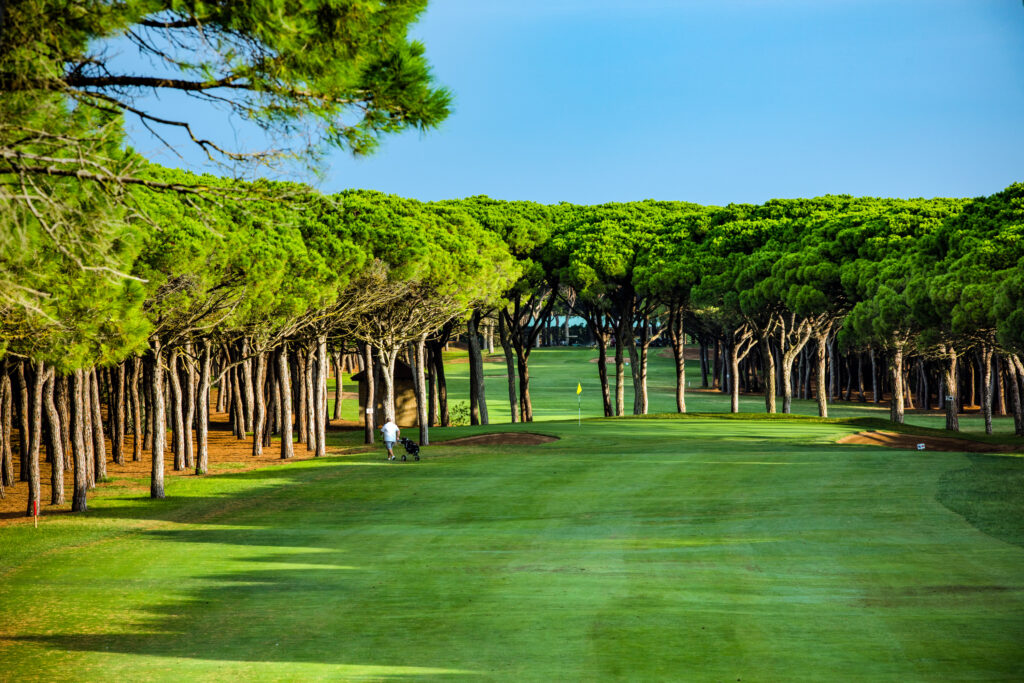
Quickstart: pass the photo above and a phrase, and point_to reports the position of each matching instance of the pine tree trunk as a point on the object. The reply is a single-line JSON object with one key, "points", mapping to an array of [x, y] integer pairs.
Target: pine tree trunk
{"points": [[117, 406], [861, 398], [768, 358], [952, 388], [203, 408], [238, 400], [190, 406], [1019, 367], [838, 371], [87, 429], [78, 499], [875, 398], [523, 368], [787, 384], [832, 370], [849, 378], [431, 390], [907, 394], [677, 336], [338, 381], [506, 347], [223, 390], [789, 356], [734, 375], [1000, 385], [259, 420], [57, 429], [64, 408], [249, 392], [482, 393], [35, 437], [473, 344], [311, 397], [99, 444], [986, 387], [369, 411], [386, 360], [724, 374], [106, 389], [715, 369], [924, 399], [421, 393], [24, 417], [156, 486], [477, 391], [972, 360], [620, 377], [301, 398], [802, 374], [273, 394], [1015, 396], [703, 364], [821, 393], [285, 399], [137, 438], [148, 405], [602, 372], [645, 343], [177, 413], [896, 372], [634, 371], [320, 406], [6, 424], [444, 416]]}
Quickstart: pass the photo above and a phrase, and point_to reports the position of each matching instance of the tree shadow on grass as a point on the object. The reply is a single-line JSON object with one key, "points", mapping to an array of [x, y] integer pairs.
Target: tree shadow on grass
{"points": [[988, 495], [295, 600], [225, 494], [301, 615]]}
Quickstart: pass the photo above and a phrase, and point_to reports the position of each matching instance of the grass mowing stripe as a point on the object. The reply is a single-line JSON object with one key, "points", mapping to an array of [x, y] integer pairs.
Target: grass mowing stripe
{"points": [[646, 549]]}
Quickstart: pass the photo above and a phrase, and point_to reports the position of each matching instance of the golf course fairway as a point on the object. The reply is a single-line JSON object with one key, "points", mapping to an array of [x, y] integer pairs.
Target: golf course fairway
{"points": [[686, 549]]}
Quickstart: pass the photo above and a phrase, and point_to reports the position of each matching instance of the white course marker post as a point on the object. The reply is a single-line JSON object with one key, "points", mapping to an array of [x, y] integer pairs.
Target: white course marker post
{"points": [[579, 408]]}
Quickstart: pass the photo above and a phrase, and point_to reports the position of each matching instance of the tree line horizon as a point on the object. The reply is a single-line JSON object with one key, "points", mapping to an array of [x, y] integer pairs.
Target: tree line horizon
{"points": [[259, 287]]}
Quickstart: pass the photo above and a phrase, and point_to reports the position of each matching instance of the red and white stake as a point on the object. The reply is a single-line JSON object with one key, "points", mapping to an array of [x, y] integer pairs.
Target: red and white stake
{"points": [[35, 513]]}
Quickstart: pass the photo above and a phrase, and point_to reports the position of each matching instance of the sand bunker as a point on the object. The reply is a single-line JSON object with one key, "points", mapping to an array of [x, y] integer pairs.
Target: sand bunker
{"points": [[501, 439], [931, 443]]}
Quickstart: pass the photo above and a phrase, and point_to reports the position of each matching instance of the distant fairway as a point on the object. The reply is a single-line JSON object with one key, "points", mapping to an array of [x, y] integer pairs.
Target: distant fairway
{"points": [[700, 549], [554, 373]]}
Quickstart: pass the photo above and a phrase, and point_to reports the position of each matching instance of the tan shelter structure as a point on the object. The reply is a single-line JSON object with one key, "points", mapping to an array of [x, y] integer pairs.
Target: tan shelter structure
{"points": [[405, 396]]}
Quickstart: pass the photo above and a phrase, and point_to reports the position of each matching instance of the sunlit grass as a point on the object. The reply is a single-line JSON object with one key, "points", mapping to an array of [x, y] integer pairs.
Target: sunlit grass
{"points": [[661, 548]]}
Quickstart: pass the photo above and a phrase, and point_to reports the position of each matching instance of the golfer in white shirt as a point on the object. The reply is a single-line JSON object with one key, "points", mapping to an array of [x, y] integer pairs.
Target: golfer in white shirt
{"points": [[390, 431]]}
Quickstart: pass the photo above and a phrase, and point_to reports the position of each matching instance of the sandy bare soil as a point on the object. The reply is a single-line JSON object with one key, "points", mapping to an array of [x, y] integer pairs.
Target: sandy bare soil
{"points": [[227, 455], [932, 443], [500, 439]]}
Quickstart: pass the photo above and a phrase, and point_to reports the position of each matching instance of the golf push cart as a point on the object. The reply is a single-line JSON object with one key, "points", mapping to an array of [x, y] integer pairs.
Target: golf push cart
{"points": [[411, 448]]}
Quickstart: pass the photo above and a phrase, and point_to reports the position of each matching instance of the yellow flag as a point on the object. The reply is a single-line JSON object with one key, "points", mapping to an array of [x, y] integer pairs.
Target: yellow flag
{"points": [[579, 388]]}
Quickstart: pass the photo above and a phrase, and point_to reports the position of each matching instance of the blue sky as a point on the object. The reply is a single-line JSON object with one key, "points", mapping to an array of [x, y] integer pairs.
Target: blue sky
{"points": [[710, 101]]}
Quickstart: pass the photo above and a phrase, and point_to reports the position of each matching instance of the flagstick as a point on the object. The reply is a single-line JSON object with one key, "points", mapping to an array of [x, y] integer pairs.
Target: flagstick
{"points": [[579, 403]]}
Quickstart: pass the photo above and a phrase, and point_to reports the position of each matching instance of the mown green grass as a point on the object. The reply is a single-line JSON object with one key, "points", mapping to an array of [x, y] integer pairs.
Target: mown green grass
{"points": [[555, 372], [700, 548]]}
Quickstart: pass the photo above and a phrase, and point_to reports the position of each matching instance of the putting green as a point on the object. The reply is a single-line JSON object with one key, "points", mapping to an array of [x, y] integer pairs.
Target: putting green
{"points": [[700, 549]]}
